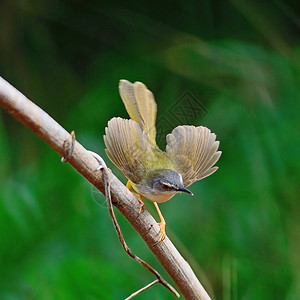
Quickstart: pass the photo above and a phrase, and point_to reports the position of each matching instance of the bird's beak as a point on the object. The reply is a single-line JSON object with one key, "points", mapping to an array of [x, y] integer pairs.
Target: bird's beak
{"points": [[183, 189]]}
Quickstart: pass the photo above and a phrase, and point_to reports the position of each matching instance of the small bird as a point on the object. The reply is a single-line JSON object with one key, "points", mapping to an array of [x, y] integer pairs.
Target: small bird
{"points": [[157, 175]]}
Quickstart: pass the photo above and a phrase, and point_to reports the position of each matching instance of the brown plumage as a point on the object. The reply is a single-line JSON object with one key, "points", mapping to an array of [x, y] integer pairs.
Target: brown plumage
{"points": [[190, 155]]}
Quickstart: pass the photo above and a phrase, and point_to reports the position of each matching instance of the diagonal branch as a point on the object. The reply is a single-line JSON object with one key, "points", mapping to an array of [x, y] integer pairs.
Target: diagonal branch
{"points": [[54, 135]]}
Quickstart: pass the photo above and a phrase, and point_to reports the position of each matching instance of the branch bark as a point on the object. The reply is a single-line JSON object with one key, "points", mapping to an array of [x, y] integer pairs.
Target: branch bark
{"points": [[55, 135]]}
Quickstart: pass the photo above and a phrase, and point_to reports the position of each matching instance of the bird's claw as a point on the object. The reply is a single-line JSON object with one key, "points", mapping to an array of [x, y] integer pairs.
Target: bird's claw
{"points": [[162, 231], [140, 200], [137, 196]]}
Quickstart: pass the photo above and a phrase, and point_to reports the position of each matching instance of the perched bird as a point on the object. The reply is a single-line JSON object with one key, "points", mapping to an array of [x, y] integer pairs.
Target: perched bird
{"points": [[157, 175]]}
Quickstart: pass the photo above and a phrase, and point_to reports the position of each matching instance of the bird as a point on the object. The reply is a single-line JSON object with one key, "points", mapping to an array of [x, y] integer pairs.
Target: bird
{"points": [[190, 155]]}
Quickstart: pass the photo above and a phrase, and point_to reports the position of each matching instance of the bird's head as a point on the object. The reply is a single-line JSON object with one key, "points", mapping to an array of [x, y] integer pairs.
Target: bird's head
{"points": [[162, 184]]}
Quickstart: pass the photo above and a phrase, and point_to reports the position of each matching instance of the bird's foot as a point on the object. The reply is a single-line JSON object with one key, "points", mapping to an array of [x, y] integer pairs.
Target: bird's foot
{"points": [[137, 196], [140, 200], [162, 231]]}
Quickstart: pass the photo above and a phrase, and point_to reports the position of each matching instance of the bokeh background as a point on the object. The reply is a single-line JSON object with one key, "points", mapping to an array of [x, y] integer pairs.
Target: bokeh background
{"points": [[239, 59]]}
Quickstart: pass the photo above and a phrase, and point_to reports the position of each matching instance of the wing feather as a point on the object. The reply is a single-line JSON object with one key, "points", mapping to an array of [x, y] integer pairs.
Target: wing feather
{"points": [[193, 150], [128, 147]]}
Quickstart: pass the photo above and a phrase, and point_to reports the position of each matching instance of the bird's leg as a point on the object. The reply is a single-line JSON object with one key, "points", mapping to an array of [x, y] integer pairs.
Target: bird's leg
{"points": [[161, 224], [137, 195]]}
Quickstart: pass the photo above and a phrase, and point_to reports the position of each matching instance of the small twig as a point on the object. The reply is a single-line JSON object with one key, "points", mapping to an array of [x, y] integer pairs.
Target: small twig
{"points": [[105, 170], [69, 148], [142, 289]]}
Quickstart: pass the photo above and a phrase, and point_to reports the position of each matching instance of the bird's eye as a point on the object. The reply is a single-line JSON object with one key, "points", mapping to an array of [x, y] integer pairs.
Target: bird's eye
{"points": [[166, 187]]}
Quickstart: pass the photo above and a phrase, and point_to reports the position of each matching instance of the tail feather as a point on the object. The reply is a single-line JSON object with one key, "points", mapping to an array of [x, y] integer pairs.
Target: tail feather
{"points": [[140, 105]]}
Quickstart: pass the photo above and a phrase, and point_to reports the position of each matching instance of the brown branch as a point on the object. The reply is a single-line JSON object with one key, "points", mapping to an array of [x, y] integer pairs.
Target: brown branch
{"points": [[54, 135]]}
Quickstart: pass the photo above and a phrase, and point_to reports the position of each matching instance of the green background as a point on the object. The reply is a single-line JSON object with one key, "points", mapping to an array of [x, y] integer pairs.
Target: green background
{"points": [[239, 59]]}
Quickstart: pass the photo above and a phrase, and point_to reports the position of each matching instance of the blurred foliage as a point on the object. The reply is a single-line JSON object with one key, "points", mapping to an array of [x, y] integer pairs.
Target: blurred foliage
{"points": [[240, 59]]}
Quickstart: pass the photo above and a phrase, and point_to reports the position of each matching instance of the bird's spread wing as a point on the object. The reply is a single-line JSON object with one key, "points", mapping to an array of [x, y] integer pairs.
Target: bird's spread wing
{"points": [[193, 150], [140, 105], [128, 147]]}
